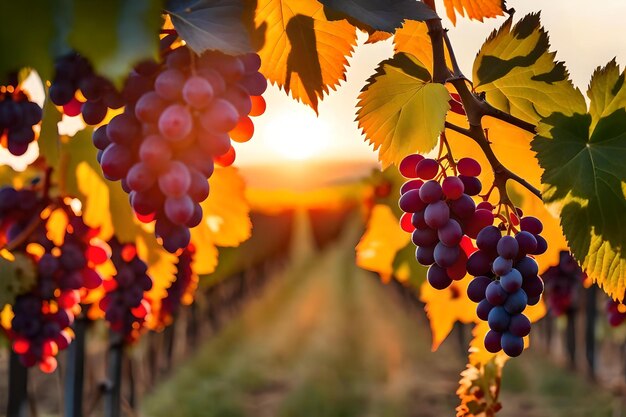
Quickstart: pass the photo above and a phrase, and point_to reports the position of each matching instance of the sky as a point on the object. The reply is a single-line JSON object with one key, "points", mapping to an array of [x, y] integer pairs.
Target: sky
{"points": [[586, 34]]}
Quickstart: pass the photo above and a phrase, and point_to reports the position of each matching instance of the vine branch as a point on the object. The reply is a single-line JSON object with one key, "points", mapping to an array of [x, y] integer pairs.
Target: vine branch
{"points": [[475, 108]]}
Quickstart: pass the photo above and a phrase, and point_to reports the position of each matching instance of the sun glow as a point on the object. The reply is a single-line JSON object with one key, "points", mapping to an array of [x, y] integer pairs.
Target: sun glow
{"points": [[297, 135]]}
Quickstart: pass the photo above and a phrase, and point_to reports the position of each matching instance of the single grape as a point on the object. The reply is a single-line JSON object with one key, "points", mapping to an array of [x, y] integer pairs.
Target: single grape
{"points": [[155, 153], [495, 294], [424, 237], [116, 161], [472, 185], [410, 202], [438, 278], [488, 238], [526, 241], [502, 266], [458, 269], [451, 233], [511, 281], [408, 165], [179, 209], [437, 214], [512, 345], [427, 169], [169, 84], [469, 167], [479, 220], [411, 185], [516, 302], [405, 223], [446, 256], [175, 180], [425, 255], [255, 84], [531, 224], [542, 245], [527, 267], [476, 289], [220, 116], [479, 263], [430, 192], [100, 138], [123, 129], [417, 220], [508, 247], [175, 123], [198, 92], [94, 112], [464, 207], [258, 106], [485, 205], [499, 319], [492, 341], [483, 309], [533, 286], [519, 325], [149, 107], [452, 187], [140, 177]]}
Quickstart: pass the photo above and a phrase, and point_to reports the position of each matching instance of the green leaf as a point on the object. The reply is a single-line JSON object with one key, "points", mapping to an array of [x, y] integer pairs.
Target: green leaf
{"points": [[400, 110], [211, 25], [385, 15], [49, 145], [17, 276], [116, 34], [27, 34], [520, 75], [585, 178]]}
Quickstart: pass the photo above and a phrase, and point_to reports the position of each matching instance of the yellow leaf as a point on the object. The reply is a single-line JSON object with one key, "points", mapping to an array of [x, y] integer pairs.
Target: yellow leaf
{"points": [[226, 219], [400, 110], [475, 9], [413, 39], [382, 240], [302, 51], [520, 76], [446, 307], [56, 226]]}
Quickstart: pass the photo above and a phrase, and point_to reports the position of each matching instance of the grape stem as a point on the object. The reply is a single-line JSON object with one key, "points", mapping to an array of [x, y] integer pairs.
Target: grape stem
{"points": [[475, 108]]}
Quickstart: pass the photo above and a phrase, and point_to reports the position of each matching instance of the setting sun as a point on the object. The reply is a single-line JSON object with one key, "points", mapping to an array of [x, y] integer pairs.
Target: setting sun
{"points": [[297, 135]]}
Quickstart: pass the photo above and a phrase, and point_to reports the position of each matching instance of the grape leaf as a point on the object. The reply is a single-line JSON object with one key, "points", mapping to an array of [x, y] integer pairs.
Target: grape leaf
{"points": [[413, 39], [381, 241], [17, 276], [29, 46], [520, 76], [226, 219], [385, 15], [446, 307], [585, 178], [479, 388], [301, 50], [400, 111], [475, 9], [116, 34], [210, 25], [49, 145]]}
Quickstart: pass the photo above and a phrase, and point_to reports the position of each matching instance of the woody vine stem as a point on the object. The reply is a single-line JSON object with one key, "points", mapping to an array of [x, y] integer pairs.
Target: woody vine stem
{"points": [[475, 107]]}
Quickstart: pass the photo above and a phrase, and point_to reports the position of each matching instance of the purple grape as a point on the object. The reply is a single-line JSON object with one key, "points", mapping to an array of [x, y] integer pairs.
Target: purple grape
{"points": [[425, 255], [488, 238], [430, 192], [438, 278], [512, 345], [476, 289], [531, 224], [198, 92], [526, 241], [472, 185], [116, 161], [417, 220], [169, 84], [424, 237], [516, 302], [149, 107], [175, 180], [451, 233], [508, 247], [542, 245], [446, 256], [495, 294], [479, 263], [492, 341], [464, 207], [533, 286], [499, 319], [511, 281], [410, 202], [452, 188], [483, 309], [140, 177], [519, 325], [527, 267], [437, 214], [502, 266], [175, 123], [123, 129]]}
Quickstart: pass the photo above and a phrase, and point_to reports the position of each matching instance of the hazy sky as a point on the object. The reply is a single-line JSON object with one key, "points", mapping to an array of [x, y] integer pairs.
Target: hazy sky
{"points": [[585, 34]]}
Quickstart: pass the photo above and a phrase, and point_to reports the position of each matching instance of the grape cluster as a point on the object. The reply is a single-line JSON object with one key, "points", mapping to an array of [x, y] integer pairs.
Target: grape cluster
{"points": [[616, 312], [562, 283], [182, 288], [164, 146], [505, 281], [442, 212], [18, 115], [125, 304], [43, 315], [74, 73]]}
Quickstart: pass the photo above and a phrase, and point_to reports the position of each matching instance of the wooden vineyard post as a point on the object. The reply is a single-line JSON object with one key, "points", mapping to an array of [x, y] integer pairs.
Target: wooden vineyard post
{"points": [[112, 399], [74, 374], [18, 388]]}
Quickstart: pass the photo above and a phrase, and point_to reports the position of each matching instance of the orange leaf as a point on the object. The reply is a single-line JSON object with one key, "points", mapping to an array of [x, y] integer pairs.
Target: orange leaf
{"points": [[475, 9], [446, 307], [382, 240], [413, 39], [302, 51]]}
